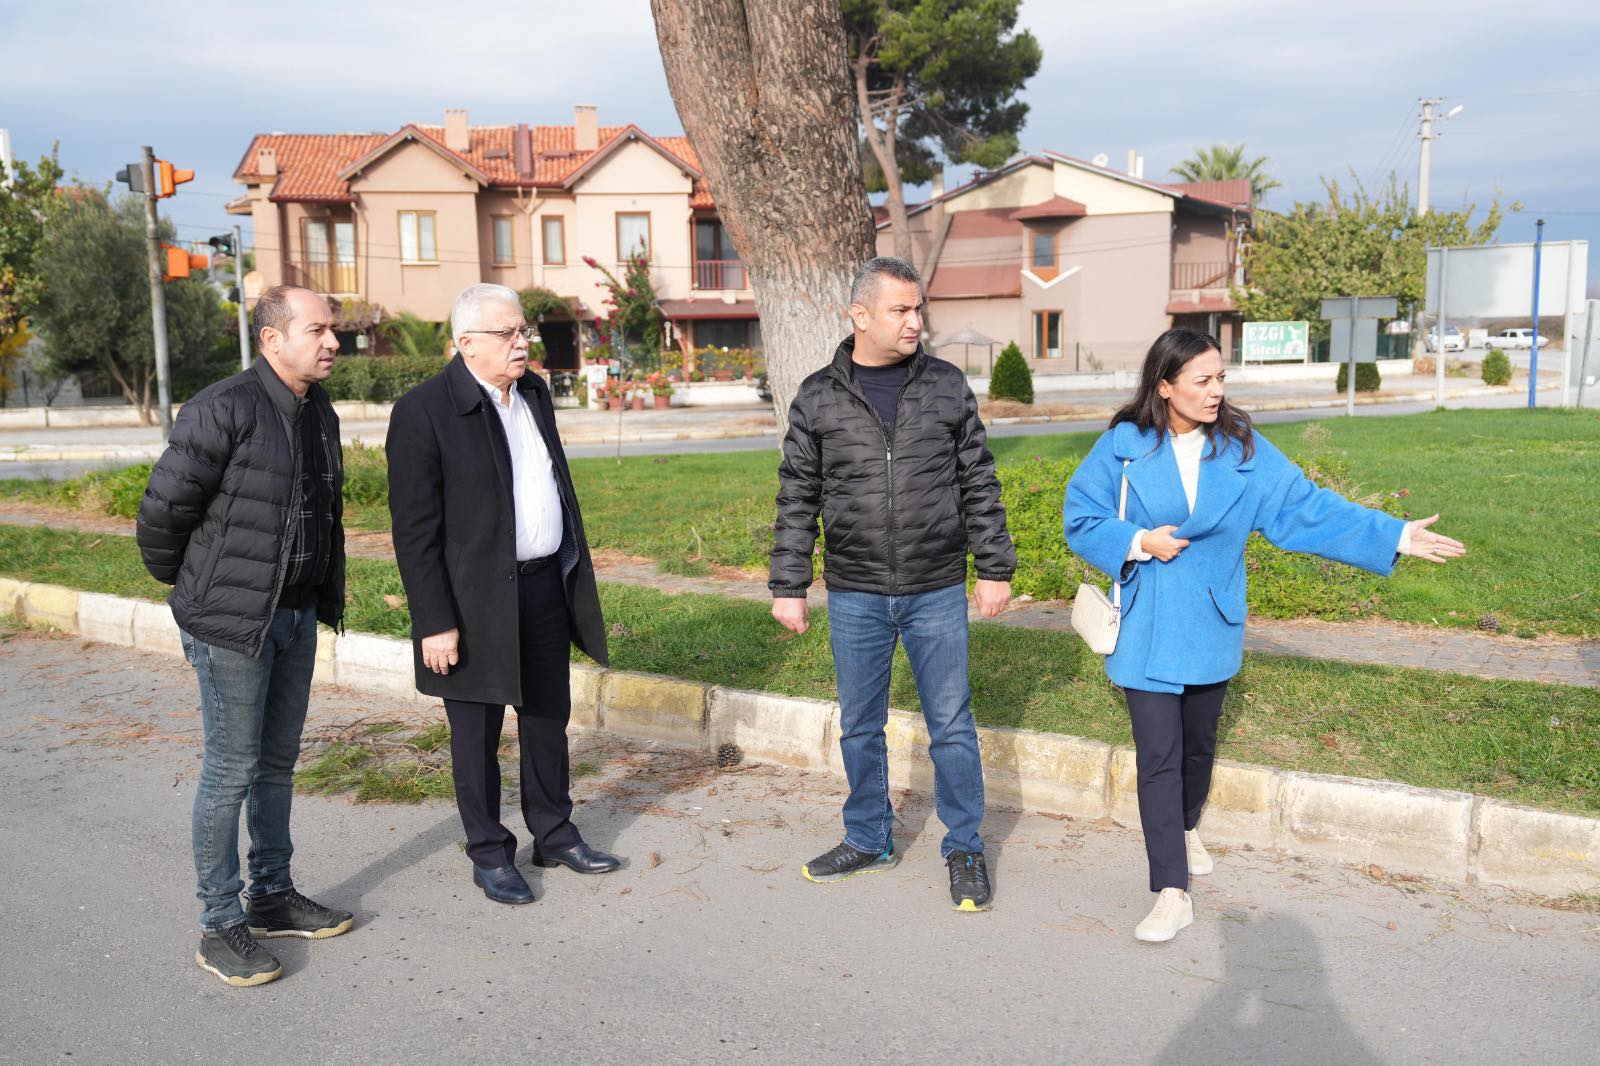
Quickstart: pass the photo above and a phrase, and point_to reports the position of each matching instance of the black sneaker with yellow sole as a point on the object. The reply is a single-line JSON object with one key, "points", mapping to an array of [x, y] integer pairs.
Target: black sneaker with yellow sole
{"points": [[847, 860], [234, 958], [291, 914], [969, 881]]}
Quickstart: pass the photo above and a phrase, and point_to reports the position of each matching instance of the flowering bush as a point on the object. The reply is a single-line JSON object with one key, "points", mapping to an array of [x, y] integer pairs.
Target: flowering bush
{"points": [[631, 310]]}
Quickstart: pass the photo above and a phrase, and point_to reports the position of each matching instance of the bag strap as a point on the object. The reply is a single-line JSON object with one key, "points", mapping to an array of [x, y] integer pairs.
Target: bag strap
{"points": [[1122, 514]]}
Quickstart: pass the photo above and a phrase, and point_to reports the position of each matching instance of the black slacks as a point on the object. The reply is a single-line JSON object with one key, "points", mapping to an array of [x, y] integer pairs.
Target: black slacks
{"points": [[544, 635], [1175, 745]]}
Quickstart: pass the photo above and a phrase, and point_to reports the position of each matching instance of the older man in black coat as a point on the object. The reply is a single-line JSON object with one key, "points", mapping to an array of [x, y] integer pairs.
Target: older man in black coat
{"points": [[497, 572]]}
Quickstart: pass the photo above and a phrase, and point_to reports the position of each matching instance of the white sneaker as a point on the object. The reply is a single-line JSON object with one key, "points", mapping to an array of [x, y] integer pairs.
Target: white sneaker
{"points": [[1173, 911], [1200, 862]]}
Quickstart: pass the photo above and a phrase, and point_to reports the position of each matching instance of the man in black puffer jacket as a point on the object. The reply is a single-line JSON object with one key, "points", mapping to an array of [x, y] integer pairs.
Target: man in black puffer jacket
{"points": [[243, 517], [886, 446]]}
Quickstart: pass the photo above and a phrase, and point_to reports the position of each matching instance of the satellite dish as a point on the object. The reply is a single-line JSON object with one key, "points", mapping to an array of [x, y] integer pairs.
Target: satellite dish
{"points": [[1101, 160]]}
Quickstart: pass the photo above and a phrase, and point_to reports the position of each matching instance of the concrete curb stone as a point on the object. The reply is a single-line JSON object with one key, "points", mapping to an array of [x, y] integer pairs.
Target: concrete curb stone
{"points": [[1427, 832]]}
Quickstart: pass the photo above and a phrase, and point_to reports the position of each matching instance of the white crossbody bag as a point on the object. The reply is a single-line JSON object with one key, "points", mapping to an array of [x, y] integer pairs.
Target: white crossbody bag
{"points": [[1096, 619]]}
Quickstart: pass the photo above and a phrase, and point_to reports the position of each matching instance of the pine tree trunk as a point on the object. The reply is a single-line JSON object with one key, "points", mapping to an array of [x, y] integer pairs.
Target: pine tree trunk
{"points": [[763, 90], [882, 143]]}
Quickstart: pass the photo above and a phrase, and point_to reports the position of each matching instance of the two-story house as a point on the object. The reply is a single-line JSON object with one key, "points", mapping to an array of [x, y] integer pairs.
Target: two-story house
{"points": [[1080, 264], [405, 220]]}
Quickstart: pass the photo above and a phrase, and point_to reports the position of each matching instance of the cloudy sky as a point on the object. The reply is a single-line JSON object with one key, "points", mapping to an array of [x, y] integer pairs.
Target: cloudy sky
{"points": [[1322, 90]]}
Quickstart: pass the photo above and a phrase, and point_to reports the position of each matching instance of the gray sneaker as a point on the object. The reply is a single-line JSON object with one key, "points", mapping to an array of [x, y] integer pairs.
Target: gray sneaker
{"points": [[847, 860], [233, 955]]}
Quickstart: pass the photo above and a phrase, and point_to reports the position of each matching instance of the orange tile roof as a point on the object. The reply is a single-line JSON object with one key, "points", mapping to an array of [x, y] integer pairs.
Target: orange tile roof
{"points": [[310, 164]]}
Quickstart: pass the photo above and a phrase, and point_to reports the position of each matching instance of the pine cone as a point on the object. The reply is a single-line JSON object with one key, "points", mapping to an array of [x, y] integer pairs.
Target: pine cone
{"points": [[1489, 623], [729, 756]]}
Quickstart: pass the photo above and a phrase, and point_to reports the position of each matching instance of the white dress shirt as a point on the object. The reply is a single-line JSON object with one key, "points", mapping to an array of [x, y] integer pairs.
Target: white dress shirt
{"points": [[1187, 448], [536, 501]]}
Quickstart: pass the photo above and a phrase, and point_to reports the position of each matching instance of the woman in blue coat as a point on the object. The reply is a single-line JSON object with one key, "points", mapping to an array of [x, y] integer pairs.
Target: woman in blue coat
{"points": [[1200, 481]]}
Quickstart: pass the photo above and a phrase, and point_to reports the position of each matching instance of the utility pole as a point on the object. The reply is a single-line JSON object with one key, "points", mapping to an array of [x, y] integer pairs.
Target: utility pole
{"points": [[238, 278], [158, 293], [1427, 137], [1533, 355]]}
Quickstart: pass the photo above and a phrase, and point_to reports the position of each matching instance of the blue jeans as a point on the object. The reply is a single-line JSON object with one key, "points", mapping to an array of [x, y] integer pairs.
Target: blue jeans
{"points": [[253, 711], [863, 628]]}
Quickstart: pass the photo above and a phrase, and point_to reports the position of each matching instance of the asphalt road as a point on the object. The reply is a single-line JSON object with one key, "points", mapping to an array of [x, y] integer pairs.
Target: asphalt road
{"points": [[709, 947]]}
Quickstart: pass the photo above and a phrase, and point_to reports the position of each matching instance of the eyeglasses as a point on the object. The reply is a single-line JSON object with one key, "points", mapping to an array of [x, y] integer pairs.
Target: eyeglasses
{"points": [[528, 333]]}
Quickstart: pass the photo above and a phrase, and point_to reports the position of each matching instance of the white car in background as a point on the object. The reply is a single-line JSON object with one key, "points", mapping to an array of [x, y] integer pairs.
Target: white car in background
{"points": [[1516, 338], [1453, 341]]}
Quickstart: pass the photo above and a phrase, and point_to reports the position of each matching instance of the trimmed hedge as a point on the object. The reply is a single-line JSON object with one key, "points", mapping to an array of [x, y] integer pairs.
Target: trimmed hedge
{"points": [[1367, 378], [1011, 379], [1496, 368], [379, 378]]}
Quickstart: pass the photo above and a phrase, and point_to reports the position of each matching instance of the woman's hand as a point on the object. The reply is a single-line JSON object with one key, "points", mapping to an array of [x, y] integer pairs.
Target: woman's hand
{"points": [[1431, 546], [1162, 544]]}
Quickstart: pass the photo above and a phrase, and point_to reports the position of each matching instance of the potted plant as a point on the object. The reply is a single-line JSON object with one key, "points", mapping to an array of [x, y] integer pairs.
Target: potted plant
{"points": [[661, 389]]}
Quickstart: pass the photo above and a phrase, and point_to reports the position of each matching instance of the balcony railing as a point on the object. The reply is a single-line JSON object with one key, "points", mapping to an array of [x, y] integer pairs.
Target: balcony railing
{"points": [[718, 274], [1201, 275], [326, 278]]}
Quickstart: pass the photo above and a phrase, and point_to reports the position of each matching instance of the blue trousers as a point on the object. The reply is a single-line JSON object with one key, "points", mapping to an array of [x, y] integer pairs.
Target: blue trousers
{"points": [[864, 628], [253, 711]]}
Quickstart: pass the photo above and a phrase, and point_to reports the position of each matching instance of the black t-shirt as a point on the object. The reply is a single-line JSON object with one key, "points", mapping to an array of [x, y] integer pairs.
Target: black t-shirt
{"points": [[882, 385]]}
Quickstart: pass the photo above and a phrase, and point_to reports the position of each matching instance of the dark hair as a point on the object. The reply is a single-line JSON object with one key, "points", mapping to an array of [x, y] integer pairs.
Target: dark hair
{"points": [[864, 286], [1171, 352], [273, 310]]}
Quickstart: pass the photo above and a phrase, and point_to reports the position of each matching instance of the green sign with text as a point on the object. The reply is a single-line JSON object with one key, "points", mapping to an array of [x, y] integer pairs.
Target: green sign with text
{"points": [[1268, 341]]}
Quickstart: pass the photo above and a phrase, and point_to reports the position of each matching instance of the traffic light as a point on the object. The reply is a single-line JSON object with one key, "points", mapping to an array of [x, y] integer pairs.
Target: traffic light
{"points": [[223, 243], [132, 176], [180, 262], [168, 178]]}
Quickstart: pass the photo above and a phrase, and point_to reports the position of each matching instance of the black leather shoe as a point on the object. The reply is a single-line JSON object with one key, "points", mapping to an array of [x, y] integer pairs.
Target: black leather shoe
{"points": [[503, 884], [580, 857]]}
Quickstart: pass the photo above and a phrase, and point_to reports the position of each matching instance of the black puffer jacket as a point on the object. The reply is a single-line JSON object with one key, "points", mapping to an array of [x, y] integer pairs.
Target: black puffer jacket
{"points": [[900, 509], [214, 522]]}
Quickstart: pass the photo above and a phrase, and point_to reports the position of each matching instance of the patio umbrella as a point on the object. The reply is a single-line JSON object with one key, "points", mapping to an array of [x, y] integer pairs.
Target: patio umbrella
{"points": [[966, 338]]}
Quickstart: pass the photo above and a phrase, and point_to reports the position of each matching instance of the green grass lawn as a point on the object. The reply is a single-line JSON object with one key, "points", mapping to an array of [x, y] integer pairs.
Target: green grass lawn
{"points": [[1536, 744], [1517, 486]]}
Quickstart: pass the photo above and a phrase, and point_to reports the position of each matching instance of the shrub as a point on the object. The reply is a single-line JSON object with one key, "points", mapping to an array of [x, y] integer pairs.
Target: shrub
{"points": [[1011, 380], [380, 378], [1367, 378], [366, 475], [1496, 368], [409, 335]]}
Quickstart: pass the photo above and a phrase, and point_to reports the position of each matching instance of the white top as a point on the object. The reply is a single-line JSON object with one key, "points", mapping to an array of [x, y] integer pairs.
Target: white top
{"points": [[535, 498], [1187, 448]]}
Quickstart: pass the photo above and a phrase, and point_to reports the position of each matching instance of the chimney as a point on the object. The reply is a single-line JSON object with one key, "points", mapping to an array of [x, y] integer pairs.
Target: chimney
{"points": [[938, 183], [455, 129], [1133, 162], [1138, 167], [523, 145], [267, 162], [586, 123]]}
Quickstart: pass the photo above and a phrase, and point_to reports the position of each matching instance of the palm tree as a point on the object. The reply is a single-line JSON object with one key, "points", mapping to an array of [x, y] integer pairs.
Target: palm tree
{"points": [[409, 335], [1222, 163]]}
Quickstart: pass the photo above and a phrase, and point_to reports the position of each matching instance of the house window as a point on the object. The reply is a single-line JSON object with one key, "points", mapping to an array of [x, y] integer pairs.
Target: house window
{"points": [[418, 237], [328, 254], [504, 242], [716, 264], [1047, 334], [555, 241], [633, 234]]}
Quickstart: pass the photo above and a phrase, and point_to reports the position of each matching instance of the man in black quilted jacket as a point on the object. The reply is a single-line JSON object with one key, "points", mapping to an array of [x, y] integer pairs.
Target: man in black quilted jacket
{"points": [[886, 447], [243, 517]]}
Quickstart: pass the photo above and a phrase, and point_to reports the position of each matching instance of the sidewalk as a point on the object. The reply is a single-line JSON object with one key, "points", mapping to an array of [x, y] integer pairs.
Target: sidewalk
{"points": [[579, 426], [708, 946], [1548, 660]]}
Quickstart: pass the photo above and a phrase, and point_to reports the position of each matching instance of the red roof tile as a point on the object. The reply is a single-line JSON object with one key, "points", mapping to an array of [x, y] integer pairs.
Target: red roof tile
{"points": [[955, 282], [310, 164], [1055, 207]]}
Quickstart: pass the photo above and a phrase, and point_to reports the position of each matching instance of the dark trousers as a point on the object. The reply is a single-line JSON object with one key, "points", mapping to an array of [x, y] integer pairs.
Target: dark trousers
{"points": [[1175, 744], [541, 735]]}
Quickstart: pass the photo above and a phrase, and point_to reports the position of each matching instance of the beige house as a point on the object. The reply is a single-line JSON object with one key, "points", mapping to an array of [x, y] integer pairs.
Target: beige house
{"points": [[1080, 264], [405, 220]]}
